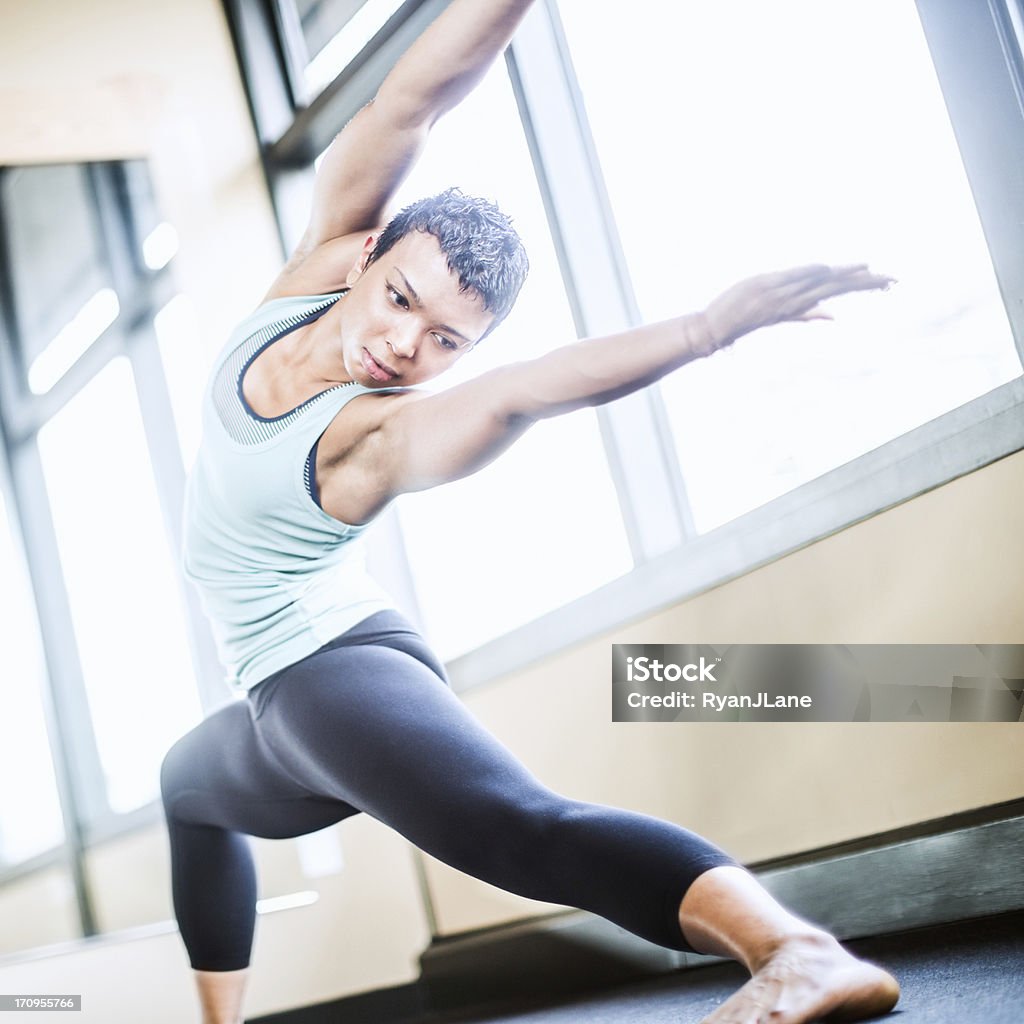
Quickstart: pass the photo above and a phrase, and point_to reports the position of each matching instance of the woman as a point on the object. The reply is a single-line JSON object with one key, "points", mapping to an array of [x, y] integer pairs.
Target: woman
{"points": [[312, 425]]}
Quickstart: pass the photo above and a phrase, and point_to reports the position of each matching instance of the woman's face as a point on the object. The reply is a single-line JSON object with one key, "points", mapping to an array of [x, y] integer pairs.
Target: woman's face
{"points": [[405, 320]]}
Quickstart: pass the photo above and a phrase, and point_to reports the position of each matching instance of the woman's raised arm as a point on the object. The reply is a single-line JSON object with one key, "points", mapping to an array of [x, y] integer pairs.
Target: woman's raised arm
{"points": [[371, 156]]}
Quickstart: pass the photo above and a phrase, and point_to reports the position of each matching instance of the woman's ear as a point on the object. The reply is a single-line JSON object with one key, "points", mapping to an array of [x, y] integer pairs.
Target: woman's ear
{"points": [[360, 264]]}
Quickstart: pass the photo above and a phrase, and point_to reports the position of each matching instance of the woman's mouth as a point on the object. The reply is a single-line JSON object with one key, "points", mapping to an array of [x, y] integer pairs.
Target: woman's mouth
{"points": [[377, 370]]}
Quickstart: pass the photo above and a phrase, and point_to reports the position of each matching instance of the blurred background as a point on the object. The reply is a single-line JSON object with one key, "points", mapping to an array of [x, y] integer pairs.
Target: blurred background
{"points": [[849, 482]]}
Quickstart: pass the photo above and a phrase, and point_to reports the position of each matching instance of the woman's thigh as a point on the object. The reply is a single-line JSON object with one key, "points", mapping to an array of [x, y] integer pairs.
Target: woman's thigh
{"points": [[223, 774], [375, 727]]}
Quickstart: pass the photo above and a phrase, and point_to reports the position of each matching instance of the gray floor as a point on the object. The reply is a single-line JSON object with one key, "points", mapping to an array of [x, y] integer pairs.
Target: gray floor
{"points": [[971, 972], [964, 973]]}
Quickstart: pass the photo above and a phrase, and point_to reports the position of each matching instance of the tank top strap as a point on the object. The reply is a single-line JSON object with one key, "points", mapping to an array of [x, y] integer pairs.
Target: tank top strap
{"points": [[262, 328]]}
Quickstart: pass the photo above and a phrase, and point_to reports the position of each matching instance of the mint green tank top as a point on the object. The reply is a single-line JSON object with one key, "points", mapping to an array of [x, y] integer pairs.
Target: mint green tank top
{"points": [[277, 576]]}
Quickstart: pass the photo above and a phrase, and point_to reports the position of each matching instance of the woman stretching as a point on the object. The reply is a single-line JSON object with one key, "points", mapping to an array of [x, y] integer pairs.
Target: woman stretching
{"points": [[312, 425]]}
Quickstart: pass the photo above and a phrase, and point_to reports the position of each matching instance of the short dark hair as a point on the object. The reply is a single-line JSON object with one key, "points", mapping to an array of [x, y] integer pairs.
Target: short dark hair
{"points": [[480, 244]]}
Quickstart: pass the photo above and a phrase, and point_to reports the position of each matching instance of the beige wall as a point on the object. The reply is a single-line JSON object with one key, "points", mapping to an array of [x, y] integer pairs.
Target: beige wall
{"points": [[38, 910], [108, 79], [116, 78]]}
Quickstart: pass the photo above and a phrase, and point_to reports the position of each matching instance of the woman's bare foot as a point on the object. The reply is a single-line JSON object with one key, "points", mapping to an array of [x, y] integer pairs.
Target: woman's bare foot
{"points": [[799, 973], [807, 978]]}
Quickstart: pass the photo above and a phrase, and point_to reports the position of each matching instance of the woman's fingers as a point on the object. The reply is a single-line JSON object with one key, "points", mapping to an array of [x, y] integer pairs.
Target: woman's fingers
{"points": [[819, 273], [842, 280], [797, 275], [863, 281], [794, 294], [813, 272], [800, 287]]}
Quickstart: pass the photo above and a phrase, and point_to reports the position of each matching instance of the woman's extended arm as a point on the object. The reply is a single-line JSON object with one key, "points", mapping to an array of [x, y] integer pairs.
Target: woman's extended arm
{"points": [[427, 440]]}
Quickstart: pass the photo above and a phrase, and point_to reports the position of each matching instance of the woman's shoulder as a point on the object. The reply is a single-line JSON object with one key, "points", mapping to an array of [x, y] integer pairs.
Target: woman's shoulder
{"points": [[281, 307], [280, 310]]}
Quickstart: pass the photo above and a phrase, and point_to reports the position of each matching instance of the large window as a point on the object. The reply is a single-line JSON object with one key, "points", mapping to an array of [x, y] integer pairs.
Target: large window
{"points": [[102, 671], [121, 582], [743, 137]]}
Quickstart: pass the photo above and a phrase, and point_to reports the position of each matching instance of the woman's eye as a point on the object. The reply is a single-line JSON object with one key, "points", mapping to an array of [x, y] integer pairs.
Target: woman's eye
{"points": [[398, 298], [446, 343]]}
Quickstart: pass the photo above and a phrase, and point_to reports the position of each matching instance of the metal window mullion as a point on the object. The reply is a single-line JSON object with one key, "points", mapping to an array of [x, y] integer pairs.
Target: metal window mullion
{"points": [[13, 382], [70, 851], [28, 415], [269, 47], [141, 346], [25, 414], [650, 490], [291, 189], [81, 783], [288, 161], [636, 440], [293, 49], [114, 227], [312, 130], [1008, 18], [975, 53], [77, 768], [169, 479], [262, 65]]}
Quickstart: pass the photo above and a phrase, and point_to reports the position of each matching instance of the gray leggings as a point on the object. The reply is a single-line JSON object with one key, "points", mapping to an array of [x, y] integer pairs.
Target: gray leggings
{"points": [[368, 723]]}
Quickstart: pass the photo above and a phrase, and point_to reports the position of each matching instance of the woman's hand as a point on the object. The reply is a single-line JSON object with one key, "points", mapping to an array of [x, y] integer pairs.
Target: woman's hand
{"points": [[785, 295]]}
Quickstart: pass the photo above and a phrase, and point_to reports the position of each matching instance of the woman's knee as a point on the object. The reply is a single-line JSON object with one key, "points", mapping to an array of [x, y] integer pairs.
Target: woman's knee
{"points": [[552, 821], [520, 828]]}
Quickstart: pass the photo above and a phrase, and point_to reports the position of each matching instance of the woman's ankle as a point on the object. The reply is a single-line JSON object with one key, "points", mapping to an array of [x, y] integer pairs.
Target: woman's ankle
{"points": [[727, 912], [221, 994], [805, 940]]}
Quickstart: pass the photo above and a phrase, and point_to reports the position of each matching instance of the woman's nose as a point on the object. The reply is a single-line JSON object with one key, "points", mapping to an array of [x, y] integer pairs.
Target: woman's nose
{"points": [[403, 343]]}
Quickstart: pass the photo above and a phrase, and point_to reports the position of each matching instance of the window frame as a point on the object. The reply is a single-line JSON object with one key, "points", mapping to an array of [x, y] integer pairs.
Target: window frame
{"points": [[979, 66], [142, 293]]}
